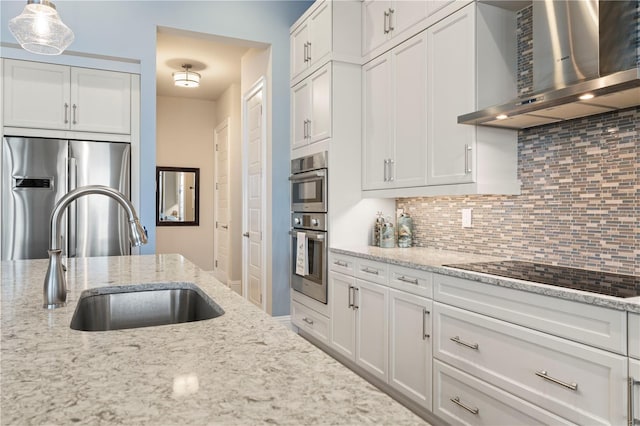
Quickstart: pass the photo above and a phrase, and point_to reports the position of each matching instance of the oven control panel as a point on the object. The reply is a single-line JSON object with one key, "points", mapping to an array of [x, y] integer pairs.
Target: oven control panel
{"points": [[315, 221]]}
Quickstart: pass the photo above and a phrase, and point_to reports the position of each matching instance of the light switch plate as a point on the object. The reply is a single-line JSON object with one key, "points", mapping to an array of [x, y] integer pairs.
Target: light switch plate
{"points": [[466, 218]]}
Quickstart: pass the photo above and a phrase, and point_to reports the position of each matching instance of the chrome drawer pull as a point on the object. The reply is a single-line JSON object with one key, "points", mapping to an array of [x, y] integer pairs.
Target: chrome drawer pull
{"points": [[307, 320], [354, 298], [456, 401], [425, 336], [544, 375], [350, 301], [460, 342], [370, 271], [408, 280], [341, 263]]}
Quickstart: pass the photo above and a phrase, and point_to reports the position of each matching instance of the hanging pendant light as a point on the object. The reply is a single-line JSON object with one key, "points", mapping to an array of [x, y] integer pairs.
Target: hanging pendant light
{"points": [[40, 30], [186, 78]]}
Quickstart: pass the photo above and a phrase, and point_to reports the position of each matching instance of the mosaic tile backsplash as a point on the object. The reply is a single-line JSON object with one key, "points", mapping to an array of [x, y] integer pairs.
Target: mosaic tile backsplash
{"points": [[579, 205]]}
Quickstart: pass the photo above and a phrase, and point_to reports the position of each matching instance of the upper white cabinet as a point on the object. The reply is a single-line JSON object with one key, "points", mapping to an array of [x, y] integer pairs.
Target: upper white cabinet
{"points": [[328, 30], [311, 108], [394, 110], [413, 95], [383, 20], [57, 97]]}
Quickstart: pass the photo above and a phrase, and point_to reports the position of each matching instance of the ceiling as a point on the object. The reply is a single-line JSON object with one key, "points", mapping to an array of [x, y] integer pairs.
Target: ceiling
{"points": [[215, 58]]}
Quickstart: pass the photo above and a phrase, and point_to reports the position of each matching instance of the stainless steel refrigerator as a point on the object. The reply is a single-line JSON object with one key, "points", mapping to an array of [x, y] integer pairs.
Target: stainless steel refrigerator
{"points": [[37, 172]]}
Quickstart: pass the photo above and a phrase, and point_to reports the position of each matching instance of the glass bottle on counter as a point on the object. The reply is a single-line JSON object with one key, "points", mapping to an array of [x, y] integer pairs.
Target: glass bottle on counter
{"points": [[405, 230]]}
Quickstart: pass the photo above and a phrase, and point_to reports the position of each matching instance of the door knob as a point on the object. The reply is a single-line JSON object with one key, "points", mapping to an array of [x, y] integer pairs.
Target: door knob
{"points": [[246, 234]]}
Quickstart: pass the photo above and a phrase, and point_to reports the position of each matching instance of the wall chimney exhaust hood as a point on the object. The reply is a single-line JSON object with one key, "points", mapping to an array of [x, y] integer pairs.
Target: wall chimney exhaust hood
{"points": [[585, 62]]}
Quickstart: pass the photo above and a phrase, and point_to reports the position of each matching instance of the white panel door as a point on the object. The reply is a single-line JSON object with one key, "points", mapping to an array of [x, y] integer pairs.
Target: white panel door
{"points": [[372, 332], [221, 203], [376, 119], [410, 346], [409, 159], [375, 24], [36, 95], [254, 259], [343, 328], [451, 86], [100, 101], [320, 33], [300, 113], [298, 44], [320, 118]]}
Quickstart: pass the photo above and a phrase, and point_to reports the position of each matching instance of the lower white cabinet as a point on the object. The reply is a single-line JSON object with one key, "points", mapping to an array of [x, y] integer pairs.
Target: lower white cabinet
{"points": [[310, 321], [410, 345], [462, 399], [359, 322], [577, 382], [634, 391]]}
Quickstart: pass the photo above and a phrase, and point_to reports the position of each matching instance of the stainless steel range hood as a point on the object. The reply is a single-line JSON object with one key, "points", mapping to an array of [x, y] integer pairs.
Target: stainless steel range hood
{"points": [[585, 62]]}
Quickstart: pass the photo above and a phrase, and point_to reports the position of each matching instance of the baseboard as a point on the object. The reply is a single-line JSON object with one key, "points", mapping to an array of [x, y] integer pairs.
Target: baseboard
{"points": [[286, 321], [236, 285]]}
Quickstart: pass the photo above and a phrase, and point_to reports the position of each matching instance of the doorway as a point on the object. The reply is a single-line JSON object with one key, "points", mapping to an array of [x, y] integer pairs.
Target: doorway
{"points": [[254, 195]]}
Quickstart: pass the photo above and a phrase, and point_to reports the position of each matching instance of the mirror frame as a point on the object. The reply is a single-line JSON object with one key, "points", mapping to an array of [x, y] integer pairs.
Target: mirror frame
{"points": [[196, 221]]}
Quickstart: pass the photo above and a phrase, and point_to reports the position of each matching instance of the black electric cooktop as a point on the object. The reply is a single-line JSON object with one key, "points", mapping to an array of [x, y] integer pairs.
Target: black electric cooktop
{"points": [[615, 285]]}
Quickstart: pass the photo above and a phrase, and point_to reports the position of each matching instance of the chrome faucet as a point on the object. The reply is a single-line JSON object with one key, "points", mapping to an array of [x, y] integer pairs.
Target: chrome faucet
{"points": [[55, 284]]}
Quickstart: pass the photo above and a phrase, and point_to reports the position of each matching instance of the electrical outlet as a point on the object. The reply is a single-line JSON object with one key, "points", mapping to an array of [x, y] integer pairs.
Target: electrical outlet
{"points": [[466, 218]]}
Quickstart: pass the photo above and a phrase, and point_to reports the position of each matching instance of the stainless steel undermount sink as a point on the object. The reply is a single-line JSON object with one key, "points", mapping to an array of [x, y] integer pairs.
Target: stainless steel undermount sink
{"points": [[143, 305]]}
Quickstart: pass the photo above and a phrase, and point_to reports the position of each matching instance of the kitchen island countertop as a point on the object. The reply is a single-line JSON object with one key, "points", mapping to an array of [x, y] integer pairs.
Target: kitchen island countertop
{"points": [[241, 368]]}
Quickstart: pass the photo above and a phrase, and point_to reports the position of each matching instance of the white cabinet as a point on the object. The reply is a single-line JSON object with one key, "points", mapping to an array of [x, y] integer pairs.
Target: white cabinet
{"points": [[359, 322], [311, 108], [451, 79], [310, 321], [311, 40], [410, 346], [394, 110], [383, 20], [634, 335], [57, 97], [634, 391]]}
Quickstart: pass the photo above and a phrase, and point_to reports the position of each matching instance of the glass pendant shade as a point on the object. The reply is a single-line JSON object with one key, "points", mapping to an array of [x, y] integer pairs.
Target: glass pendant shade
{"points": [[39, 29], [186, 78]]}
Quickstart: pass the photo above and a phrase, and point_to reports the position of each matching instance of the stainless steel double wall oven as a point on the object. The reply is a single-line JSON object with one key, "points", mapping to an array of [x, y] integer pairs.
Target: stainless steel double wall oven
{"points": [[309, 220]]}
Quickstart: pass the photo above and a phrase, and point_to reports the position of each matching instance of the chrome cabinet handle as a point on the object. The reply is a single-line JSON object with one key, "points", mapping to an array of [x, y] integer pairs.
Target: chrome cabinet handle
{"points": [[544, 375], [309, 129], [341, 263], [74, 114], [304, 129], [370, 271], [350, 305], [468, 345], [456, 401], [391, 12], [307, 320], [66, 113], [425, 336], [407, 280], [391, 170], [631, 417], [309, 51], [386, 27], [385, 170], [305, 50], [467, 160], [354, 298]]}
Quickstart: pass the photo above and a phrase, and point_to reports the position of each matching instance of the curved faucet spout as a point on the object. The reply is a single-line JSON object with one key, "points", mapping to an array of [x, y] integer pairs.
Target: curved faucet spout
{"points": [[55, 286]]}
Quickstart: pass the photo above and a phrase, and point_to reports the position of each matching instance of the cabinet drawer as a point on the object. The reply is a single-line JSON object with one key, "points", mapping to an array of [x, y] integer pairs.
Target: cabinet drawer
{"points": [[593, 325], [580, 383], [634, 335], [463, 399], [376, 272], [343, 264], [310, 321], [411, 280]]}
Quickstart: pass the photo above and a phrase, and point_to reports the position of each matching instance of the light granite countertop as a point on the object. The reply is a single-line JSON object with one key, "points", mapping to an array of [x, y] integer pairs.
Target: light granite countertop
{"points": [[241, 368], [432, 260]]}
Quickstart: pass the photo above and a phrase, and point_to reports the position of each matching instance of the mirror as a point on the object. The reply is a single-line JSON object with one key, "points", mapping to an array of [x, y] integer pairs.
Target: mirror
{"points": [[177, 196]]}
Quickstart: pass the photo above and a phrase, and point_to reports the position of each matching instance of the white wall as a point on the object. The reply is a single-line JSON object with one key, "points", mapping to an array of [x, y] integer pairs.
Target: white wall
{"points": [[228, 106], [185, 139]]}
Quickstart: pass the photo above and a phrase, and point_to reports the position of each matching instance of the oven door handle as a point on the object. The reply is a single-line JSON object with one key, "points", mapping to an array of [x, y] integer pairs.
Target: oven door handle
{"points": [[307, 175], [312, 235]]}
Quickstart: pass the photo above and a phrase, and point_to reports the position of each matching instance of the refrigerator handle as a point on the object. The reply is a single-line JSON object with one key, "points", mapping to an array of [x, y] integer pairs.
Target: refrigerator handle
{"points": [[72, 222]]}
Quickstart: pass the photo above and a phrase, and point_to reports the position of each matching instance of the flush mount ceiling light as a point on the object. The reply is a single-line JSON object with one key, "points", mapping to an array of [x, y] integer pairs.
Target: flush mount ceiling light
{"points": [[186, 78], [40, 30]]}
